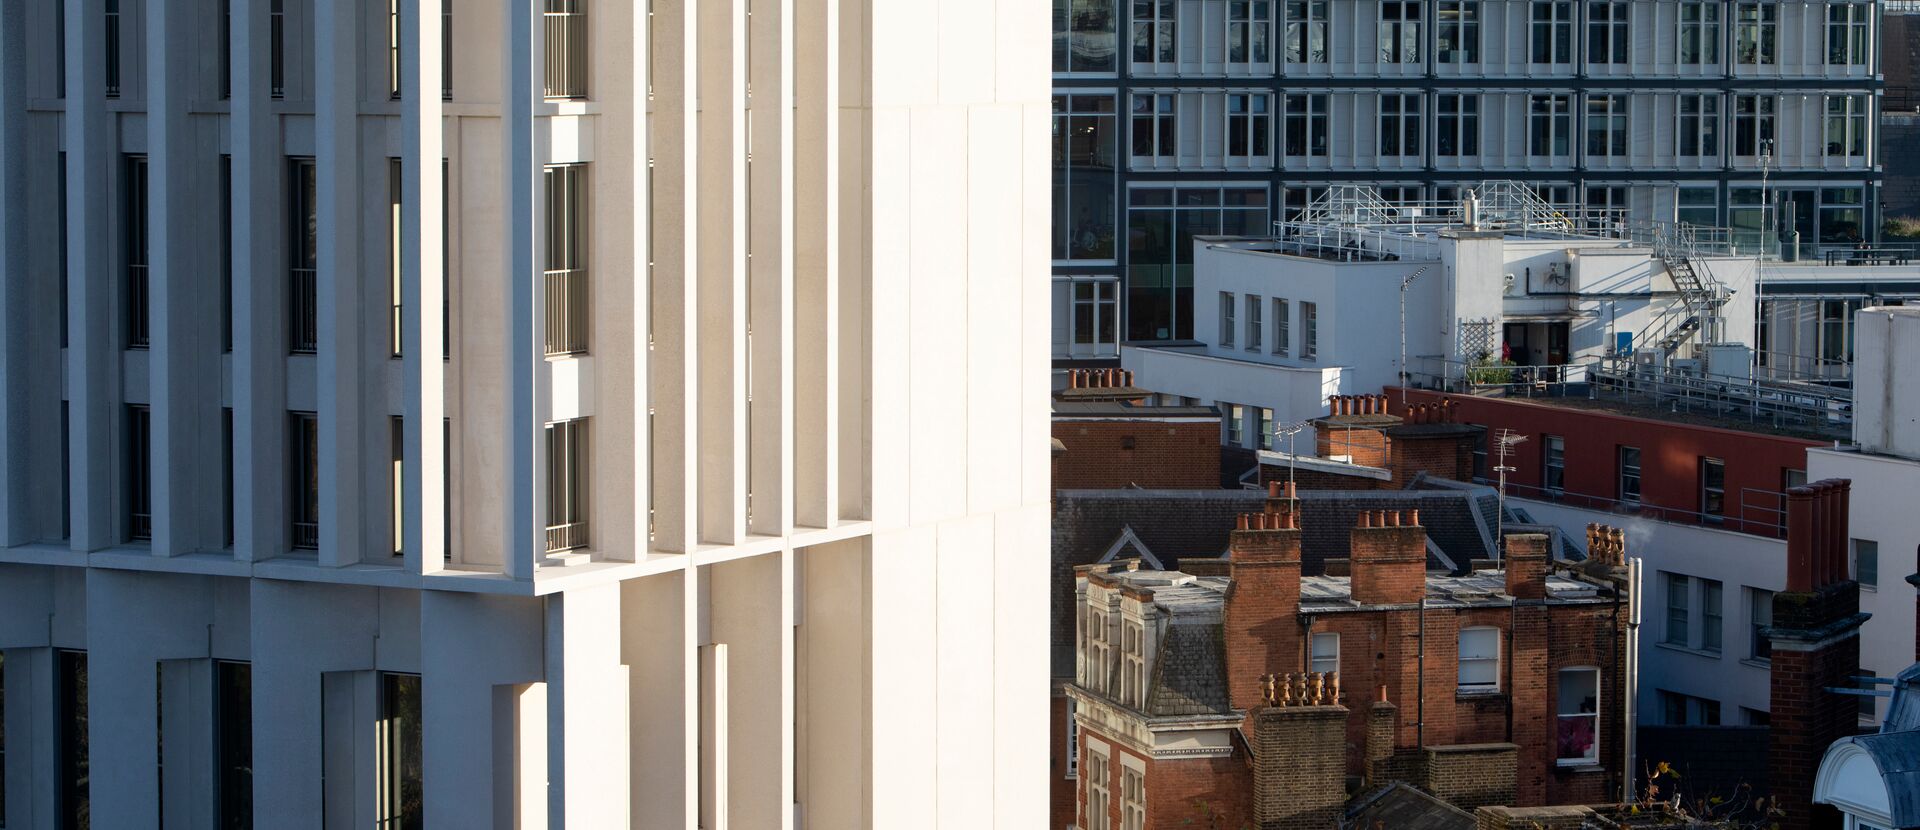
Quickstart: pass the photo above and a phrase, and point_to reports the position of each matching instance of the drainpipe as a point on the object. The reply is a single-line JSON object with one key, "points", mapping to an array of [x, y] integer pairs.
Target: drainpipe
{"points": [[1420, 685], [1632, 691]]}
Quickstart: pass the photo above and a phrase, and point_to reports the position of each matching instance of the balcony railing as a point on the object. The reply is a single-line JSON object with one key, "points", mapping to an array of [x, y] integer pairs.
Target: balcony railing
{"points": [[142, 526], [566, 311], [306, 535], [566, 24], [569, 536], [138, 307], [304, 332]]}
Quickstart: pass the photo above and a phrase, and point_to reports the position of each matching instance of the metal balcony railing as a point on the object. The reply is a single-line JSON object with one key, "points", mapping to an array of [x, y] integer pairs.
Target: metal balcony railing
{"points": [[138, 307], [142, 526], [306, 535], [304, 302], [568, 536], [566, 70], [566, 311]]}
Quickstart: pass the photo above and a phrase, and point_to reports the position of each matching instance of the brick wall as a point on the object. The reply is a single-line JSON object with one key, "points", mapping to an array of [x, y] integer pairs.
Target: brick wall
{"points": [[1262, 612], [1154, 454], [1444, 451], [1365, 446], [1814, 648], [1060, 793], [1471, 775], [1199, 793], [1299, 770]]}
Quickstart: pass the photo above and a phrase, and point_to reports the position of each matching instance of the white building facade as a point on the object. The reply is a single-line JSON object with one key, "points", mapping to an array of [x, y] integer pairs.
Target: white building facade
{"points": [[561, 414]]}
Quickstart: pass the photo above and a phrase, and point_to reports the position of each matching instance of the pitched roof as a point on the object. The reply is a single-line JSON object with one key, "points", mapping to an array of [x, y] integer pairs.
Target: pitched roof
{"points": [[1397, 806], [1189, 676]]}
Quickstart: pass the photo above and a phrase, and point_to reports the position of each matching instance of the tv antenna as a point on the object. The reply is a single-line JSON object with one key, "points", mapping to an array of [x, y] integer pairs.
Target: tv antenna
{"points": [[1504, 442]]}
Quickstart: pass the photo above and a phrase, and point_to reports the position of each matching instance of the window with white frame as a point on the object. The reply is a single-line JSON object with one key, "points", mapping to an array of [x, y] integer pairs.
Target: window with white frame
{"points": [[1227, 322], [1554, 467], [1846, 125], [1255, 335], [1280, 327], [1306, 33], [1400, 31], [1552, 31], [1249, 26], [1326, 652], [1250, 125], [1578, 734], [1457, 127], [1309, 331], [1710, 617], [1756, 33], [1153, 35], [1679, 600], [1700, 32], [1457, 31], [1096, 317], [1098, 797], [1479, 659], [1753, 125], [1608, 38], [1713, 488], [1630, 475], [1607, 125], [1264, 428], [1549, 125], [1400, 125], [1699, 133], [1847, 33], [1236, 424], [1306, 125], [1759, 618], [1153, 124], [1133, 799], [1866, 563]]}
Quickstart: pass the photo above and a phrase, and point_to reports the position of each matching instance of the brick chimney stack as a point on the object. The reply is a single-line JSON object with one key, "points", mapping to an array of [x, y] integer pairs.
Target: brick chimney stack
{"points": [[1282, 498], [1299, 737], [1816, 647], [1526, 562], [1389, 558], [1263, 603]]}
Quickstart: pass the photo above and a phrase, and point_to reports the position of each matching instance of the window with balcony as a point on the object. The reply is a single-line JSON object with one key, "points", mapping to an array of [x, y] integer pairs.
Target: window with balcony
{"points": [[1847, 33], [566, 43], [1756, 33], [1699, 133], [1700, 32], [138, 223], [1553, 474], [1630, 475], [567, 485], [1606, 126], [1608, 36], [1552, 32], [1479, 659], [1399, 31], [1309, 331], [1846, 125], [112, 35], [1249, 126], [1713, 488], [139, 473], [233, 744], [303, 472], [277, 49], [303, 235], [1326, 652], [1753, 125], [1679, 619], [1249, 26], [1255, 335], [399, 797], [1306, 125], [1578, 733], [1457, 27], [566, 271], [1549, 125], [1280, 326], [1400, 125], [1457, 127], [1153, 34], [1083, 36], [1306, 33], [1153, 118]]}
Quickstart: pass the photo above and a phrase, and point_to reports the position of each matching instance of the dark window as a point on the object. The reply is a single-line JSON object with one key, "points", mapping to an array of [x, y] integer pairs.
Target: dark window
{"points": [[226, 252], [226, 49], [395, 289], [1554, 476], [136, 235], [304, 483], [1457, 132], [1710, 621], [446, 262], [1399, 31], [1085, 141], [566, 272], [1309, 331], [1866, 562], [1552, 31], [1083, 35], [446, 50], [226, 474], [397, 481], [3, 738], [113, 48], [75, 812], [1306, 125], [233, 727], [566, 32], [1760, 615], [1607, 36], [139, 473], [277, 48], [393, 49], [1713, 488], [401, 804], [567, 485], [1679, 591], [304, 235], [1630, 475], [63, 250], [446, 484], [1459, 27]]}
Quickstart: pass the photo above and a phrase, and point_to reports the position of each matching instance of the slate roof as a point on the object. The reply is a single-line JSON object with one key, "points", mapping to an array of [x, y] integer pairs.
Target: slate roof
{"points": [[1189, 677], [1897, 754], [1397, 806]]}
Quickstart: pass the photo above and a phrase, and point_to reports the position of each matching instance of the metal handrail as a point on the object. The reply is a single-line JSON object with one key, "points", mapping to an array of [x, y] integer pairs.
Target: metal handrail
{"points": [[566, 50], [566, 305], [139, 308], [1771, 526], [304, 336], [566, 536]]}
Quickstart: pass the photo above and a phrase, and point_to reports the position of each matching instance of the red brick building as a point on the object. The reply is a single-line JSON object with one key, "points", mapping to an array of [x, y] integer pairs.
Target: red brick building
{"points": [[1240, 692], [1105, 437], [1361, 445], [1674, 468]]}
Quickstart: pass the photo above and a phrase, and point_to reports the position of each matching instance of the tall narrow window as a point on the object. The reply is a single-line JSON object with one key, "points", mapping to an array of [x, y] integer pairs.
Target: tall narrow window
{"points": [[303, 471], [1679, 597], [226, 252], [1760, 618], [226, 474], [393, 49], [1153, 36], [1756, 33], [397, 483], [1280, 332], [1306, 125], [1073, 741], [1083, 36], [1552, 32], [1606, 125], [1133, 668], [1846, 127], [61, 205], [567, 485], [1457, 130], [1866, 562], [1326, 652], [1264, 428], [1400, 125], [75, 761], [3, 737], [399, 763], [1578, 733], [446, 261], [1309, 331], [1753, 125], [139, 473], [395, 290], [1700, 32], [1549, 125], [1847, 33], [233, 740], [1630, 475], [1699, 125], [1254, 333], [446, 489], [1713, 488], [1249, 126], [1133, 799], [566, 273], [1236, 424], [566, 30], [446, 50], [1227, 323], [1095, 319], [226, 49], [1306, 40], [1479, 659], [1400, 31], [1249, 25], [1098, 796], [1607, 36], [1710, 615], [112, 35], [303, 235], [277, 49], [1554, 474], [1153, 125], [1457, 25], [137, 240]]}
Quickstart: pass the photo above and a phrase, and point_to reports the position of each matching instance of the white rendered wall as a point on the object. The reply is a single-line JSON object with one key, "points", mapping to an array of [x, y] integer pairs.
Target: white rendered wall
{"points": [[1880, 510]]}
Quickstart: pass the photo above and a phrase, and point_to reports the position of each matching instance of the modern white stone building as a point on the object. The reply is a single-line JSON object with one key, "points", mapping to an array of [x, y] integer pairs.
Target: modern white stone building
{"points": [[523, 414]]}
